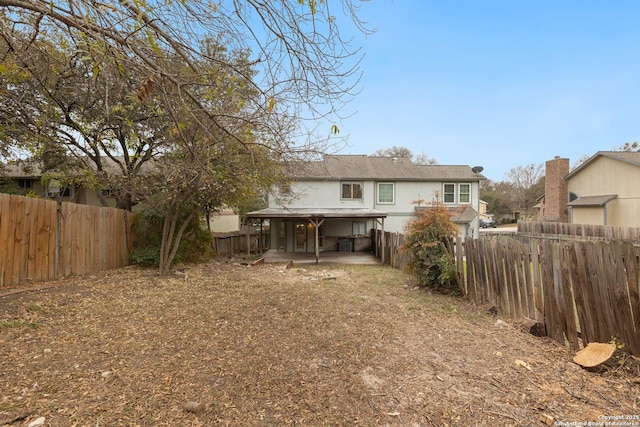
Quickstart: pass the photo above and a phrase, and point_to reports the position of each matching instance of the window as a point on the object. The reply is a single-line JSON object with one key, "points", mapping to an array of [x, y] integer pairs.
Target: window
{"points": [[55, 190], [285, 189], [464, 191], [385, 192], [358, 228], [351, 190], [462, 195], [25, 183], [449, 193], [108, 192]]}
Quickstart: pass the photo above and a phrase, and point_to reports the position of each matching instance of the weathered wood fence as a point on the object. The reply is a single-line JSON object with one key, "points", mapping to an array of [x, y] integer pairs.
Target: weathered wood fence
{"points": [[389, 246], [582, 282], [229, 244], [42, 240], [580, 290], [566, 231]]}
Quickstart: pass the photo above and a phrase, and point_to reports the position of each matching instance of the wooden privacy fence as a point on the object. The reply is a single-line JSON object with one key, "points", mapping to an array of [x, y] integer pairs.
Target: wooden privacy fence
{"points": [[42, 240], [579, 289], [389, 246], [229, 244], [567, 231]]}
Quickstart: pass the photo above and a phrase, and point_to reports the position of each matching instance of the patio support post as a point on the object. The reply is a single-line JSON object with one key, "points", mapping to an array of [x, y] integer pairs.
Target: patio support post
{"points": [[248, 240], [316, 224], [382, 240]]}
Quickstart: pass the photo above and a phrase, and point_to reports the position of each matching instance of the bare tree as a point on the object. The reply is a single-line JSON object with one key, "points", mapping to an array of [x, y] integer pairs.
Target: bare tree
{"points": [[403, 152], [528, 185], [220, 91]]}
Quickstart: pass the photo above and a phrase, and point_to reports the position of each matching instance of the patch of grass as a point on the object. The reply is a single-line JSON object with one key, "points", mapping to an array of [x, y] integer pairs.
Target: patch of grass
{"points": [[6, 407], [18, 323], [34, 308]]}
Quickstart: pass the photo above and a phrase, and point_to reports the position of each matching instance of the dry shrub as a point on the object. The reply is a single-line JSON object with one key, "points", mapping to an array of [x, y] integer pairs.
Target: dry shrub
{"points": [[427, 242]]}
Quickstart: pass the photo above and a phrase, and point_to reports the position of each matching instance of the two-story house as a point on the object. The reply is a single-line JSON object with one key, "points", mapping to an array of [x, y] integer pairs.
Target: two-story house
{"points": [[333, 204], [604, 190]]}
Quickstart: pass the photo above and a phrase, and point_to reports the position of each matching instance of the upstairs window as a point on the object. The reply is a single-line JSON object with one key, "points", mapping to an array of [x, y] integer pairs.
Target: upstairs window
{"points": [[285, 189], [449, 193], [456, 193], [464, 193], [351, 191], [385, 193]]}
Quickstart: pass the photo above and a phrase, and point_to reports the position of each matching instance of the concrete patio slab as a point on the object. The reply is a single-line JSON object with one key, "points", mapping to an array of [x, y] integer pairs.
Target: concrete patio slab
{"points": [[327, 257]]}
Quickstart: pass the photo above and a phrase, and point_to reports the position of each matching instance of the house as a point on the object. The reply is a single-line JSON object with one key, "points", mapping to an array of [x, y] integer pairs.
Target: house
{"points": [[333, 203], [28, 178], [482, 211], [605, 190], [225, 221]]}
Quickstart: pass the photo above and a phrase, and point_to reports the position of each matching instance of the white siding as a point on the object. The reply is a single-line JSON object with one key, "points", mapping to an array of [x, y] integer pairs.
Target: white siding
{"points": [[326, 194]]}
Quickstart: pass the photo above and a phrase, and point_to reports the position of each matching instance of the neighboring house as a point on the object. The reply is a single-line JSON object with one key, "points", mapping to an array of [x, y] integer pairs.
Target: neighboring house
{"points": [[224, 221], [333, 204], [605, 190], [482, 211], [29, 179]]}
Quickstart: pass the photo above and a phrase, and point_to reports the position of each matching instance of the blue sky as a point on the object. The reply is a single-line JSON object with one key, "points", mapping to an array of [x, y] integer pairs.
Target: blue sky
{"points": [[498, 84]]}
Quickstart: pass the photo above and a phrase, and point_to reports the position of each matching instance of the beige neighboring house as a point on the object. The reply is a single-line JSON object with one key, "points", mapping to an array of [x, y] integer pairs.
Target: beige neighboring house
{"points": [[334, 203], [224, 221], [605, 190], [482, 212]]}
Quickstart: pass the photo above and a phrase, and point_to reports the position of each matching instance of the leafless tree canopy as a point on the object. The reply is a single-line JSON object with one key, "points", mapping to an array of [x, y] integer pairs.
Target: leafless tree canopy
{"points": [[300, 57]]}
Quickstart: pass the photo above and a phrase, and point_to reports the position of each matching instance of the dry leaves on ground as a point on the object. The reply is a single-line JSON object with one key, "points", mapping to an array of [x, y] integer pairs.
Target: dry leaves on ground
{"points": [[229, 344]]}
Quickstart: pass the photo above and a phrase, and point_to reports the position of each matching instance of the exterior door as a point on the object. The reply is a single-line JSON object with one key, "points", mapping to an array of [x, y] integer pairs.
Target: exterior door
{"points": [[300, 236], [282, 235]]}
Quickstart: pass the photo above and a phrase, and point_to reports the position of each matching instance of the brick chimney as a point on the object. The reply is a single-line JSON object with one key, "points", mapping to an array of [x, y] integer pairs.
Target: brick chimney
{"points": [[556, 194]]}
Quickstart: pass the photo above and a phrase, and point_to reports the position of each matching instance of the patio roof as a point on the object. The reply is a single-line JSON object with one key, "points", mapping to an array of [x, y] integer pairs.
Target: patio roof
{"points": [[317, 213], [592, 201]]}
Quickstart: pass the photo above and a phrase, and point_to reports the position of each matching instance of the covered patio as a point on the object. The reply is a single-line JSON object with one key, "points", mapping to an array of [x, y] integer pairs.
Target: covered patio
{"points": [[315, 218]]}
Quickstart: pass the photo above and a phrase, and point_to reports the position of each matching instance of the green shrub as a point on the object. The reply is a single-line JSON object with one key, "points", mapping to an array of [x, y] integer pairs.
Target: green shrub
{"points": [[195, 244], [427, 241]]}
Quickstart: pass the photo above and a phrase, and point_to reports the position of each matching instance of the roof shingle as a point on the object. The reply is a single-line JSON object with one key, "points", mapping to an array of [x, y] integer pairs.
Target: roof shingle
{"points": [[337, 167]]}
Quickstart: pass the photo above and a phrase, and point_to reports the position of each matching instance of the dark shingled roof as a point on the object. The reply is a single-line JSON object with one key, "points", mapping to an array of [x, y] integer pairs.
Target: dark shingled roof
{"points": [[459, 214], [337, 167]]}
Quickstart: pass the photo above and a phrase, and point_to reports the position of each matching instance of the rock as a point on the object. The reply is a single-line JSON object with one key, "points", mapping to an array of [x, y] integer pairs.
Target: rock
{"points": [[501, 324], [532, 327], [522, 363], [37, 422], [193, 407], [547, 419]]}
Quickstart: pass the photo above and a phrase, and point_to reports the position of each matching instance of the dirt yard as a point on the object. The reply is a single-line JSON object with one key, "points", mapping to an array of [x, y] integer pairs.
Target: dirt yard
{"points": [[230, 344]]}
